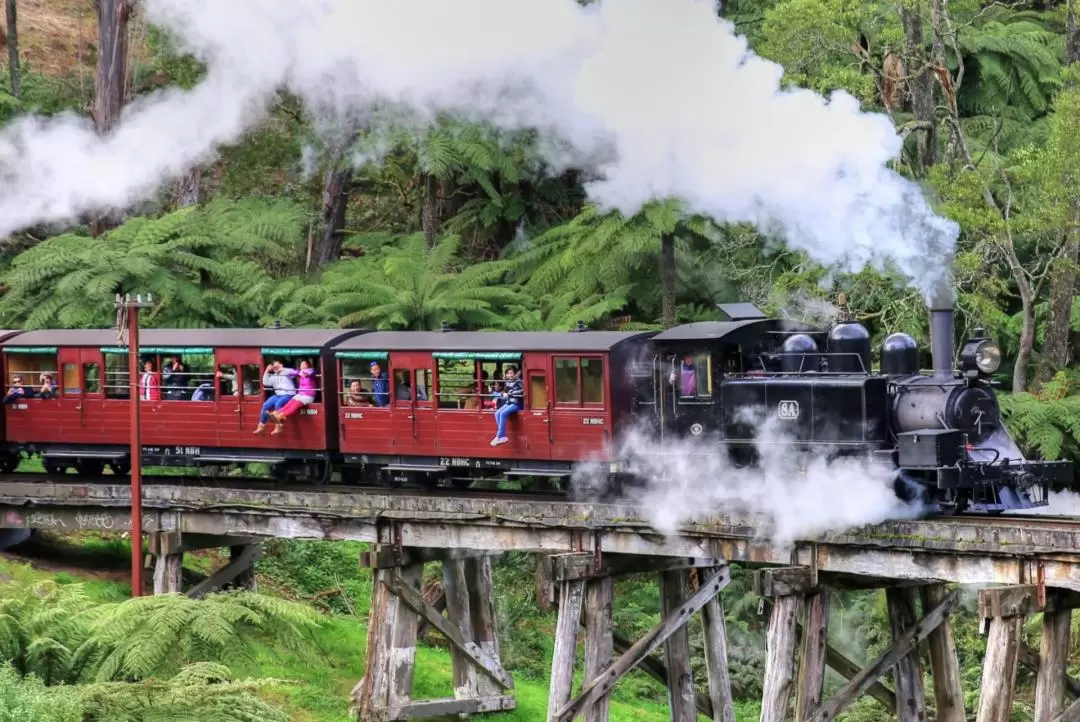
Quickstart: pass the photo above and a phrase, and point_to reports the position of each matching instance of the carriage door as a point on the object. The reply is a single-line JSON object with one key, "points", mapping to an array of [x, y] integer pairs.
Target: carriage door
{"points": [[538, 400], [238, 390], [86, 387], [412, 422]]}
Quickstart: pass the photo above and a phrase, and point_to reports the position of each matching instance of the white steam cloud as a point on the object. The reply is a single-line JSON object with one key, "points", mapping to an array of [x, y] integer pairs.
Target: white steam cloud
{"points": [[787, 496], [659, 99]]}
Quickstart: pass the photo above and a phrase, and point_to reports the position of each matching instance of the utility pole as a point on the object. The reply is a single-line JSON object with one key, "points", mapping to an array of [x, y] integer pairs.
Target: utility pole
{"points": [[127, 323]]}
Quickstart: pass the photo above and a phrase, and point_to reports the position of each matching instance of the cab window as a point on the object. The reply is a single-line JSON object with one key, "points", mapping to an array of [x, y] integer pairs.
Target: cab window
{"points": [[690, 374]]}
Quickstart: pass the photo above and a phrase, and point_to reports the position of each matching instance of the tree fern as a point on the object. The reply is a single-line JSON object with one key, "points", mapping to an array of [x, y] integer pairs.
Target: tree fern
{"points": [[144, 636], [202, 691], [1046, 422], [199, 264]]}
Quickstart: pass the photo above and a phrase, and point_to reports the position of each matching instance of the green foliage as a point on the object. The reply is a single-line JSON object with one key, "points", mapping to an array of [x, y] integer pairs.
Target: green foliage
{"points": [[203, 691], [405, 285], [1047, 421], [313, 568], [27, 699], [146, 635], [200, 264]]}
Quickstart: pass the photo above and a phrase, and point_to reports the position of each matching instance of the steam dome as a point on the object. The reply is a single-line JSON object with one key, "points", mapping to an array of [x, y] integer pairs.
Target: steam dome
{"points": [[899, 355]]}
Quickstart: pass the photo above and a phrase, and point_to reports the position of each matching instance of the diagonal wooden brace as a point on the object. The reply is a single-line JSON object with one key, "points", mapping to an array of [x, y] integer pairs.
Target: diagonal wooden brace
{"points": [[412, 599], [906, 642], [602, 685]]}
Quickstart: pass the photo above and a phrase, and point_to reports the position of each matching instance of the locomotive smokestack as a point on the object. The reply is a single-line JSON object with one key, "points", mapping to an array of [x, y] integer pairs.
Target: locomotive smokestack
{"points": [[941, 331]]}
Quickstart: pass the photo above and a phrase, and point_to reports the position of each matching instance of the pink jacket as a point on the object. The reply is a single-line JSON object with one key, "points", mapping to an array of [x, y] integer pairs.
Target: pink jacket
{"points": [[307, 380]]}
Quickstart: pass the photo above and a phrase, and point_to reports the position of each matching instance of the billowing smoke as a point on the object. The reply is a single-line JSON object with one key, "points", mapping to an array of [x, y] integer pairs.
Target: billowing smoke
{"points": [[658, 99], [787, 496], [1059, 503]]}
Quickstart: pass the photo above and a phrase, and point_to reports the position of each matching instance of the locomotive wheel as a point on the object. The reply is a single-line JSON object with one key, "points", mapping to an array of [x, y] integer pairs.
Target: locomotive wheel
{"points": [[89, 467]]}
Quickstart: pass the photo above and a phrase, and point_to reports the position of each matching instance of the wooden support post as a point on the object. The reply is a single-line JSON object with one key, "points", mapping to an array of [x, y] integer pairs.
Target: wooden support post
{"points": [[482, 615], [714, 629], [1053, 653], [388, 669], [910, 694], [1004, 608], [673, 590], [812, 664], [245, 579], [167, 573], [571, 594], [599, 642], [779, 658], [238, 565], [460, 615], [948, 694]]}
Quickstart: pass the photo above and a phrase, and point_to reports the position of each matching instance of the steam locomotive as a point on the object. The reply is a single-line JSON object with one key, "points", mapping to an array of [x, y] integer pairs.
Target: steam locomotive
{"points": [[942, 434]]}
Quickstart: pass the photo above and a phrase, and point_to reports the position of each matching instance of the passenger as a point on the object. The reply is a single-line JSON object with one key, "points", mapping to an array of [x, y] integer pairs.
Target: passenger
{"points": [[512, 400], [16, 392], [149, 385], [172, 379], [276, 378], [46, 391], [305, 396], [355, 395], [402, 390], [688, 373], [203, 392], [231, 378], [380, 386]]}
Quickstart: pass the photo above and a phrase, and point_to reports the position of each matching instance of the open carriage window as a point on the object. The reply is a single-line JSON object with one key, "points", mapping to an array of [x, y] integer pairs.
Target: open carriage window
{"points": [[187, 375], [365, 380], [91, 379], [470, 380], [117, 378], [579, 380], [251, 381], [411, 385], [34, 369], [297, 369]]}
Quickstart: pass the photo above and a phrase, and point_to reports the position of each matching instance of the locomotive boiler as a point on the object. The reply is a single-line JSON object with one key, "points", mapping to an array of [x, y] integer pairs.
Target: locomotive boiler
{"points": [[774, 381]]}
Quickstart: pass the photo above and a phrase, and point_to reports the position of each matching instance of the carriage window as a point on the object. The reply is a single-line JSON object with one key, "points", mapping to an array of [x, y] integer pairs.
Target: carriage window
{"points": [[579, 381], [91, 378], [32, 368], [538, 398], [227, 380], [360, 387], [117, 378], [566, 381], [69, 381], [403, 385], [186, 377], [592, 380], [251, 380], [458, 384]]}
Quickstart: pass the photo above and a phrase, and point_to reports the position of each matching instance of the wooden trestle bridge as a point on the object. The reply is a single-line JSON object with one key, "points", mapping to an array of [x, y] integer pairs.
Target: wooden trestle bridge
{"points": [[1022, 565]]}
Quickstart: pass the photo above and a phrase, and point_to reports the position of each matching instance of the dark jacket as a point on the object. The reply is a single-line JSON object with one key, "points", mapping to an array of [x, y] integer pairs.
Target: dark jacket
{"points": [[515, 392]]}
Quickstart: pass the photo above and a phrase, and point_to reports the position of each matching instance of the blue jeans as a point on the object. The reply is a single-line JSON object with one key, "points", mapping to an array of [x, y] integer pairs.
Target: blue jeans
{"points": [[273, 403], [501, 415]]}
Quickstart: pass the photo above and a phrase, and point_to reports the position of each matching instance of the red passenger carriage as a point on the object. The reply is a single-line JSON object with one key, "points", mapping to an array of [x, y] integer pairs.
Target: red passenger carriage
{"points": [[436, 423], [205, 408]]}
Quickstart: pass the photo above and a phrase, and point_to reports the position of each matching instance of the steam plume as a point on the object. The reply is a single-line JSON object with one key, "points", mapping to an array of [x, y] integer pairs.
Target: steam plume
{"points": [[660, 99], [790, 495]]}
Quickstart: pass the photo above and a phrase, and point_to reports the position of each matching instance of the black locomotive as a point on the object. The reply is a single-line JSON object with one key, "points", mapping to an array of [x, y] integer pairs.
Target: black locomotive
{"points": [[941, 434]]}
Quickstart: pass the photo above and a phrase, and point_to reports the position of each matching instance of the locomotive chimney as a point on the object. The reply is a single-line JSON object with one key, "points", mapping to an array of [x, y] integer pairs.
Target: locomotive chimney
{"points": [[941, 332]]}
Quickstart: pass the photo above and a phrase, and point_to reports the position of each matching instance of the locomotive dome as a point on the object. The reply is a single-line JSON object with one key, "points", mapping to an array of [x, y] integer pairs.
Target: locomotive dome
{"points": [[899, 355], [851, 341]]}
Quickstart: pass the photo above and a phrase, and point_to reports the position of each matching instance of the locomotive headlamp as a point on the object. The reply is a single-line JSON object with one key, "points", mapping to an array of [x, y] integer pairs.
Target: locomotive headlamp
{"points": [[980, 354]]}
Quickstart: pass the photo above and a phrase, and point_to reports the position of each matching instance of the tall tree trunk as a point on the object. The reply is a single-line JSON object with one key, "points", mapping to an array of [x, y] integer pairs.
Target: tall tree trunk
{"points": [[431, 213], [921, 83], [186, 192], [113, 18], [667, 279], [336, 190], [13, 48], [1063, 279]]}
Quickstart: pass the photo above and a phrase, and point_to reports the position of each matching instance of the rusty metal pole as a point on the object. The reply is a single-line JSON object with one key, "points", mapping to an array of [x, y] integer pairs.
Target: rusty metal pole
{"points": [[131, 310]]}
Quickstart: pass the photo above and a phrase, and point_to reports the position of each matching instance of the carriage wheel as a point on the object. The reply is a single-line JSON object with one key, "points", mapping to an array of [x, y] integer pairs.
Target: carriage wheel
{"points": [[52, 467], [9, 464], [120, 468]]}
